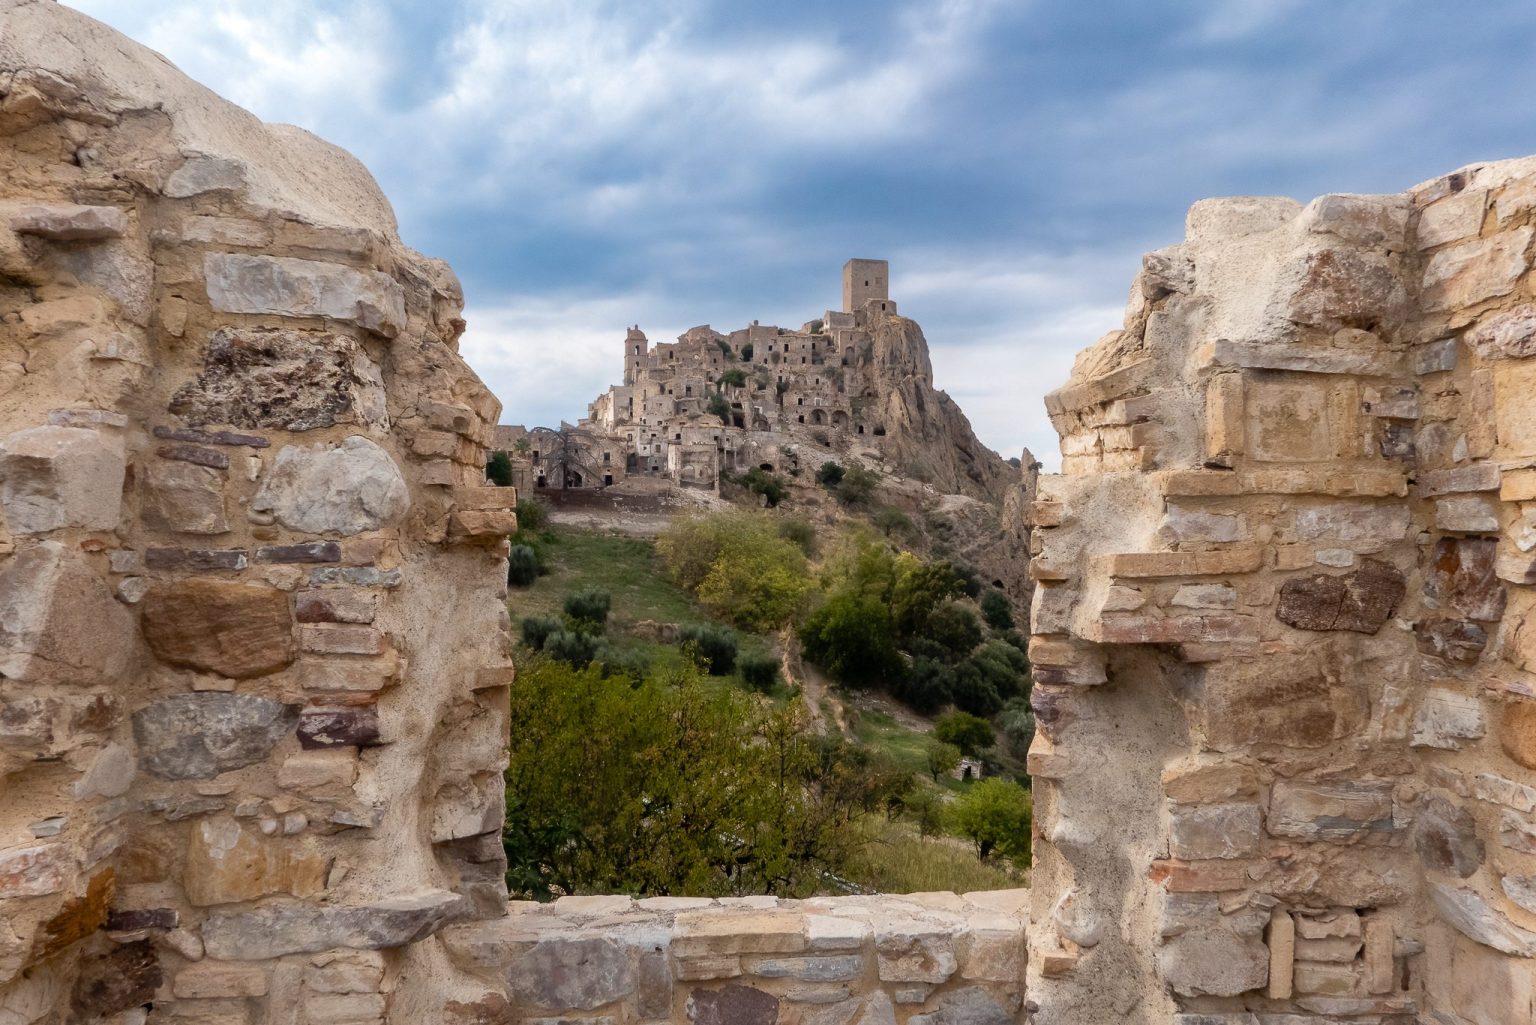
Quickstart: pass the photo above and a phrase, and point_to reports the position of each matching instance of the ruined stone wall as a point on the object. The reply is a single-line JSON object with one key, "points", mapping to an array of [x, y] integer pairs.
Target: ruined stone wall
{"points": [[252, 649], [921, 959], [1286, 765]]}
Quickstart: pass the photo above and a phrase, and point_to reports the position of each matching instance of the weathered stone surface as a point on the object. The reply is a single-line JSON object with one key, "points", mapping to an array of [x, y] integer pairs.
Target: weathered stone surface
{"points": [[1508, 335], [1473, 271], [1363, 526], [59, 624], [196, 560], [1360, 601], [227, 863], [127, 977], [184, 497], [280, 929], [1214, 830], [211, 437], [1517, 731], [1447, 720], [1446, 838], [572, 973], [211, 979], [195, 454], [34, 871], [1462, 577], [347, 489], [110, 774], [1471, 914], [338, 727], [1206, 952], [1338, 810], [67, 222], [235, 630], [285, 379], [969, 1006], [198, 736], [205, 173], [57, 477], [309, 552], [732, 1005], [1456, 640], [335, 606], [239, 283]]}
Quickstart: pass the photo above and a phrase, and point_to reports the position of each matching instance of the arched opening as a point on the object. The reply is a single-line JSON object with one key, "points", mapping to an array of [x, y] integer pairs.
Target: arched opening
{"points": [[818, 417]]}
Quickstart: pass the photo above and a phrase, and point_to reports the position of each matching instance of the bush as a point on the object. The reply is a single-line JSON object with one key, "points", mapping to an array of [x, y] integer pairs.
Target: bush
{"points": [[892, 521], [1017, 721], [734, 378], [714, 648], [738, 567], [830, 474], [801, 534], [970, 579], [994, 814], [746, 352], [971, 734], [927, 685], [531, 515], [719, 407], [759, 671], [857, 486], [522, 566], [571, 647], [817, 326], [927, 811], [633, 665], [725, 348], [588, 606], [498, 469], [996, 609], [760, 482], [537, 628], [955, 628], [942, 758], [851, 637]]}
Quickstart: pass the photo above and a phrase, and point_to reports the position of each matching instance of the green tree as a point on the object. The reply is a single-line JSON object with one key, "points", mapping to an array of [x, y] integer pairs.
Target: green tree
{"points": [[857, 486], [588, 608], [851, 637], [718, 406], [746, 353], [926, 809], [942, 758], [713, 647], [498, 469], [830, 474], [522, 566], [738, 567], [734, 378], [531, 515], [996, 609], [994, 814], [760, 482], [893, 521], [971, 734], [953, 627], [918, 589], [537, 628], [1017, 721], [759, 671]]}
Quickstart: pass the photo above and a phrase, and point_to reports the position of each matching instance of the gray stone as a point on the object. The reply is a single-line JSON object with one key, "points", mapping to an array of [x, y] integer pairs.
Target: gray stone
{"points": [[1337, 810], [59, 623], [119, 269], [1468, 273], [198, 736], [732, 1005], [356, 576], [1472, 514], [878, 1010], [1379, 222], [1463, 576], [55, 477], [1446, 838], [1457, 640], [969, 1006], [1183, 524], [203, 173], [343, 490], [1521, 890], [1470, 914], [811, 969], [1363, 526], [1204, 952], [281, 929], [1447, 720], [571, 973], [184, 497], [282, 378], [242, 283], [110, 775], [67, 222], [1510, 335], [1214, 830]]}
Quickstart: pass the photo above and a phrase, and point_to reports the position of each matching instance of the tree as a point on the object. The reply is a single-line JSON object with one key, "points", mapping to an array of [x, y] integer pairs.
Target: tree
{"points": [[759, 671], [996, 609], [712, 646], [531, 515], [857, 486], [994, 814], [830, 474], [942, 758], [588, 608], [971, 734], [954, 628], [926, 808], [522, 566], [734, 378], [1017, 721], [918, 589], [719, 407], [536, 629], [746, 353], [850, 636], [760, 482], [498, 469], [891, 521]]}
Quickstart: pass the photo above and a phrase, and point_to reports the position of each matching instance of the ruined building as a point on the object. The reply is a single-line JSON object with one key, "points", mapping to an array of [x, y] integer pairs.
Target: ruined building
{"points": [[253, 648], [856, 382]]}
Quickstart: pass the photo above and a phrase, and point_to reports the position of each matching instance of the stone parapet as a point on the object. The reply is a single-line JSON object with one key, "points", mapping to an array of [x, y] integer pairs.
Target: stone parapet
{"points": [[922, 959]]}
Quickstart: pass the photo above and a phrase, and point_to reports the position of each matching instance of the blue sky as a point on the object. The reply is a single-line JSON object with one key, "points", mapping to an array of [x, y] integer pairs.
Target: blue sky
{"points": [[588, 164]]}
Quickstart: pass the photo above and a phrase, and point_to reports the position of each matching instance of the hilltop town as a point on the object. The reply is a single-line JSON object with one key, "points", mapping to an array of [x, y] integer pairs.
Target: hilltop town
{"points": [[854, 384]]}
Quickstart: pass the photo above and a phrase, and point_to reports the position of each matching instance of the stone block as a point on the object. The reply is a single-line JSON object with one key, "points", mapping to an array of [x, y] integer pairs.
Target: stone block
{"points": [[1447, 720], [1507, 335], [732, 1005], [35, 871], [1376, 222], [212, 979], [1466, 274], [1361, 526], [1360, 601], [1463, 577], [227, 863], [913, 951], [1217, 876], [970, 1005], [194, 454], [1204, 952], [1181, 523], [199, 736], [57, 477], [1324, 979], [67, 222], [1380, 972], [235, 630], [279, 929], [184, 497], [1213, 830], [335, 606], [321, 728], [715, 933], [1282, 955], [1205, 596], [240, 283], [348, 489], [309, 552], [118, 981], [59, 624], [1470, 914], [812, 968], [1473, 514], [196, 560], [1513, 413], [342, 639], [1456, 640], [1331, 811], [1453, 219], [1517, 731]]}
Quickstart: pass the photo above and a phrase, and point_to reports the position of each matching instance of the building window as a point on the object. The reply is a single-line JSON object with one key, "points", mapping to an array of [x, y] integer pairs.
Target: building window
{"points": [[607, 457]]}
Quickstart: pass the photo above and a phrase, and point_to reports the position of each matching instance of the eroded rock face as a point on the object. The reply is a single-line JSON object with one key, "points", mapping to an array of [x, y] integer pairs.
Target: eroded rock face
{"points": [[1313, 555], [222, 721]]}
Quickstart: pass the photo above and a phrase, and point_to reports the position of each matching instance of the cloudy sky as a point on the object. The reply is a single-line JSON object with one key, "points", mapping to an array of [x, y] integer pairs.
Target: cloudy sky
{"points": [[588, 164]]}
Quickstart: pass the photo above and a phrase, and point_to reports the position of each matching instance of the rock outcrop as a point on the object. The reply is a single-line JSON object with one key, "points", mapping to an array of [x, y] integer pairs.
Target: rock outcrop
{"points": [[253, 660], [1279, 642]]}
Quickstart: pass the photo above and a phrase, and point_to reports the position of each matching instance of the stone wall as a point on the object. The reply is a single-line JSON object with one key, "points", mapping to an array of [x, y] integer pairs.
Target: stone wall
{"points": [[252, 653], [921, 959], [1286, 766]]}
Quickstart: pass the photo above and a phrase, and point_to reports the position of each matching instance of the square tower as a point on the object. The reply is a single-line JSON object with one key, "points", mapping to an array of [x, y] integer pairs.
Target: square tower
{"points": [[864, 280]]}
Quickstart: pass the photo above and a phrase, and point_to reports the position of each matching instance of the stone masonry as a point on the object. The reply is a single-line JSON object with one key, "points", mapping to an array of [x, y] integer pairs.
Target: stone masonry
{"points": [[1286, 766], [253, 665]]}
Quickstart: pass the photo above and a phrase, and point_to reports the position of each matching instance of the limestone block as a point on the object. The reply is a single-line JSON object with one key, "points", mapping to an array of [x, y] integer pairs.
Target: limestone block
{"points": [[1338, 810], [227, 863], [198, 736], [1326, 979], [59, 623], [1214, 830], [1455, 640], [1204, 952], [279, 929], [971, 1005], [110, 774], [1514, 413], [1517, 731], [220, 979], [235, 630], [241, 283], [1360, 601], [343, 490], [67, 222], [712, 933], [732, 1005], [1507, 335], [1470, 914], [56, 477], [1339, 287], [1446, 720], [1363, 526], [183, 497], [1452, 219], [1463, 576], [1377, 222], [913, 951], [1471, 272], [35, 871], [203, 172], [283, 378], [1282, 955], [1476, 514], [1181, 523], [1379, 964], [226, 231]]}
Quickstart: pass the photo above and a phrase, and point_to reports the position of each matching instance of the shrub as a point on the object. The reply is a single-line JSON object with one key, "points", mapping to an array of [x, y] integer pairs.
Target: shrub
{"points": [[725, 348], [996, 609], [994, 814], [857, 486], [801, 534], [760, 482], [759, 671], [746, 352], [571, 647], [941, 757], [1017, 721], [588, 606], [891, 521], [926, 809], [970, 578], [634, 665], [537, 628], [954, 627], [927, 685], [522, 566], [971, 734], [734, 378], [498, 469], [531, 515], [830, 474], [713, 647], [817, 326], [850, 636], [739, 567], [719, 407]]}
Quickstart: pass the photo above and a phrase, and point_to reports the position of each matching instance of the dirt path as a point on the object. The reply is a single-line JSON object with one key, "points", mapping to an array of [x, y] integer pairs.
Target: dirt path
{"points": [[814, 686]]}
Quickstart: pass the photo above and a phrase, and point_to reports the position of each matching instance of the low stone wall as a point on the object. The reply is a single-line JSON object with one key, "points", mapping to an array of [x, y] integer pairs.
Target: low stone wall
{"points": [[922, 959]]}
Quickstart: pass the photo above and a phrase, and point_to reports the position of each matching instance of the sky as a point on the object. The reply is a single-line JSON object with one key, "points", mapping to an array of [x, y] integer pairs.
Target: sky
{"points": [[590, 164]]}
